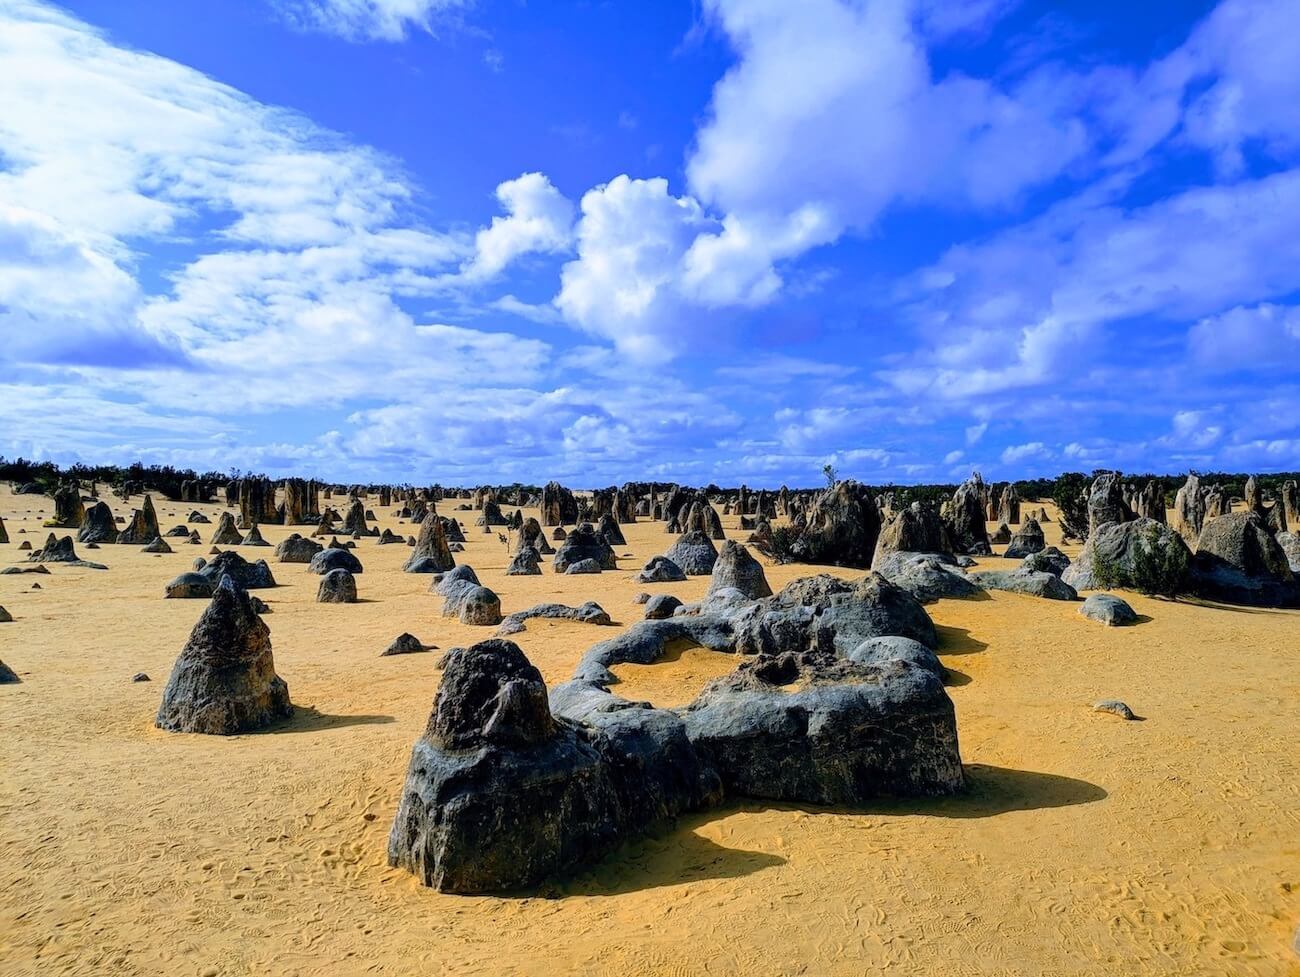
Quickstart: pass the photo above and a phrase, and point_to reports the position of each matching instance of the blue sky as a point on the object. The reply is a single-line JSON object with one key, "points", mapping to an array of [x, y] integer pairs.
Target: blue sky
{"points": [[719, 240]]}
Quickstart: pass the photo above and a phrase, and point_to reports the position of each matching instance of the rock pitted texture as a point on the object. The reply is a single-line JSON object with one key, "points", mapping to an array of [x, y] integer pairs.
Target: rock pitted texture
{"points": [[583, 566], [69, 510], [559, 507], [737, 569], [338, 586], [224, 681], [1189, 510], [584, 543], [1029, 539], [432, 553], [660, 569], [842, 527], [1108, 609], [1139, 555], [1290, 544], [507, 788], [472, 603], [1239, 561], [694, 553]]}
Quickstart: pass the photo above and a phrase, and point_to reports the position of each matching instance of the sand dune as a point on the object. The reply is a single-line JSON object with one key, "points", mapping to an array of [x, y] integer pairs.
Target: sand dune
{"points": [[1085, 845]]}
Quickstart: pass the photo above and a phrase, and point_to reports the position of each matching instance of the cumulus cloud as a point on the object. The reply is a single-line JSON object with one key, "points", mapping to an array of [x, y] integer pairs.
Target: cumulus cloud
{"points": [[539, 219], [369, 20]]}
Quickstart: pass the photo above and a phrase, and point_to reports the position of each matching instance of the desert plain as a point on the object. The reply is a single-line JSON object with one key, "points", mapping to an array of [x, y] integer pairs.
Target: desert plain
{"points": [[1084, 844]]}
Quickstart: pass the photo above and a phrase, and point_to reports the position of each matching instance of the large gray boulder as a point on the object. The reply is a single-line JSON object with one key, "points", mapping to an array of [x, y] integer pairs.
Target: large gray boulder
{"points": [[1142, 555], [1240, 562], [608, 527], [737, 569], [849, 732], [499, 796], [190, 586], [1049, 560], [842, 527], [297, 549], [525, 563], [966, 515], [98, 525], [334, 558], [694, 553], [1022, 581], [1108, 609], [1106, 502], [660, 569], [224, 680], [926, 576], [916, 529], [338, 586]]}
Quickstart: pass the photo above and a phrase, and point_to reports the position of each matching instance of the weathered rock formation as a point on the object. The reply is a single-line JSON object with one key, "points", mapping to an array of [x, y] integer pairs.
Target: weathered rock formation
{"points": [[143, 527], [432, 553], [584, 543], [224, 681], [737, 570], [98, 525]]}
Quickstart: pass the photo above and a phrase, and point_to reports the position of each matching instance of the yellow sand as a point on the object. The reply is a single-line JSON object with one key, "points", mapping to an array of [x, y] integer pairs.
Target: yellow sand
{"points": [[1086, 845]]}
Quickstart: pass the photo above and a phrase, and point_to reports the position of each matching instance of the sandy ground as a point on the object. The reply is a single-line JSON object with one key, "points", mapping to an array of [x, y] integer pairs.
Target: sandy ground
{"points": [[1086, 845]]}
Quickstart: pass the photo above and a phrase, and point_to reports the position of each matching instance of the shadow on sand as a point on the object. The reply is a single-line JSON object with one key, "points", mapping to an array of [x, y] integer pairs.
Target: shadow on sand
{"points": [[309, 719], [957, 641], [682, 855], [677, 856]]}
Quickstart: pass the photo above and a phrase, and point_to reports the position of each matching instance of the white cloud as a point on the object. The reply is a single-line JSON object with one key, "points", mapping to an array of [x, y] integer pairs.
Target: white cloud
{"points": [[539, 219], [1022, 452], [1260, 337], [368, 20], [625, 284]]}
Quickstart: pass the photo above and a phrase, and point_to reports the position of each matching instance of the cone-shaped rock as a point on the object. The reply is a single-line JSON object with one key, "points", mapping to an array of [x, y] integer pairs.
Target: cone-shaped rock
{"points": [[224, 681], [736, 569], [227, 533], [144, 525], [432, 554]]}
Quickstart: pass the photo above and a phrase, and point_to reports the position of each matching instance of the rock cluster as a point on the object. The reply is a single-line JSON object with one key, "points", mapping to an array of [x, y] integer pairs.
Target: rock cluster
{"points": [[508, 787]]}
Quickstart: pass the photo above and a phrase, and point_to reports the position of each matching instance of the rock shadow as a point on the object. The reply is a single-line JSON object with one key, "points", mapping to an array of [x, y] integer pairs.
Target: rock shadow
{"points": [[677, 856], [309, 719], [990, 791], [957, 641]]}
